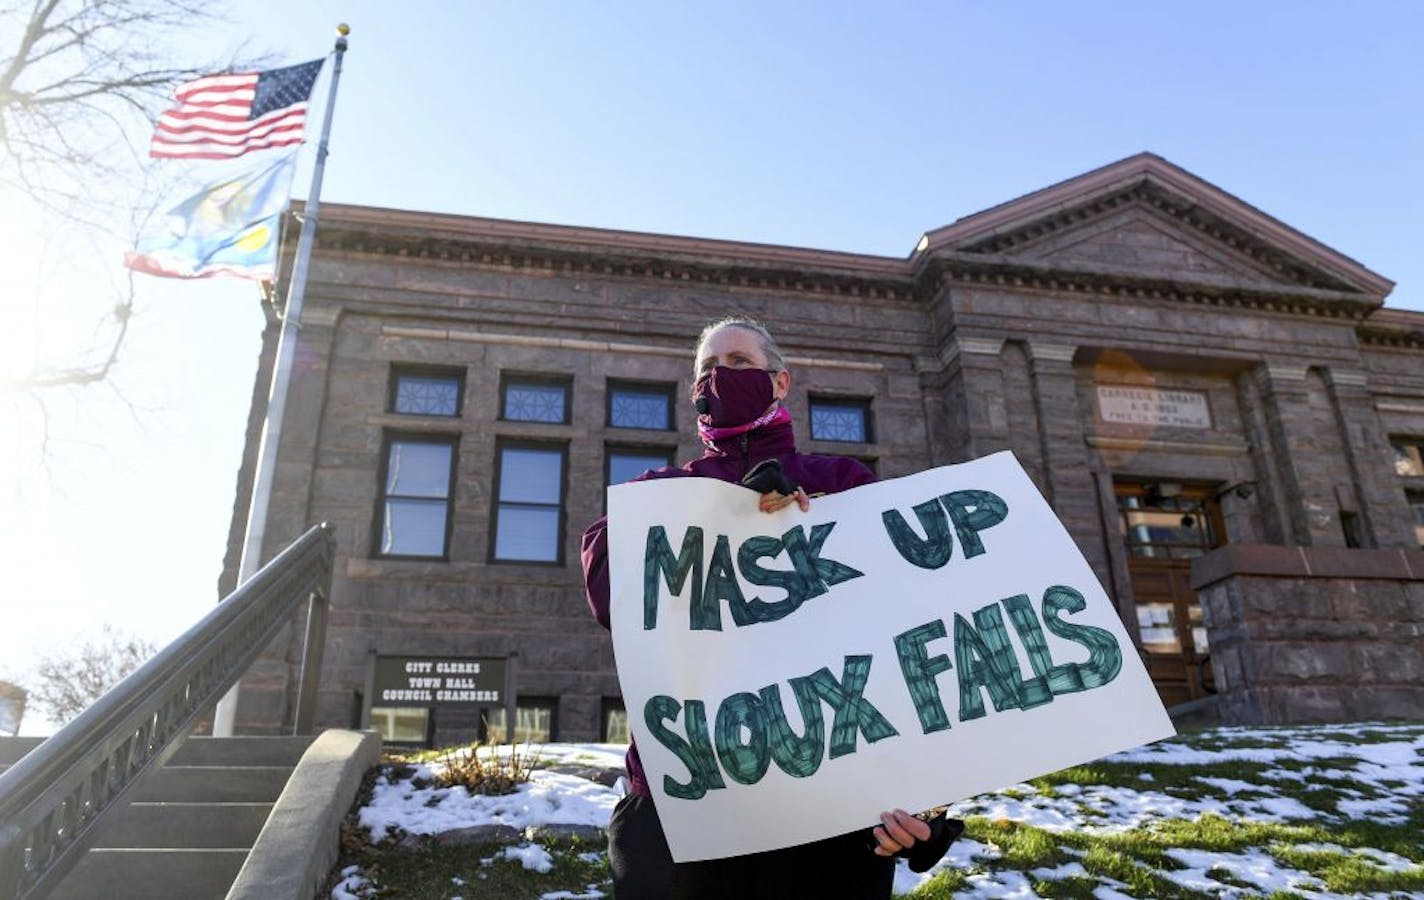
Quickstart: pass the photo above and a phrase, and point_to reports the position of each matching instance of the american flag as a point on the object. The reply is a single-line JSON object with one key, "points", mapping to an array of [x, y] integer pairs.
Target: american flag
{"points": [[222, 116]]}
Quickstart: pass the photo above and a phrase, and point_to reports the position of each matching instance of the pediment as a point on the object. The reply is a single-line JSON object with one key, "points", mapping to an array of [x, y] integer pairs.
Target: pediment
{"points": [[1142, 240], [1143, 216]]}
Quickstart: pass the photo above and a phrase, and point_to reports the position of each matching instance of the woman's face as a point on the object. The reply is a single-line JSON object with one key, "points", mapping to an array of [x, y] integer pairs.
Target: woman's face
{"points": [[733, 347], [738, 348]]}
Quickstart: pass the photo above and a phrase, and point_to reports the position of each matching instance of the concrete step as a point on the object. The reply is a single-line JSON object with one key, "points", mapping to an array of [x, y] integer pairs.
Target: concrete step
{"points": [[152, 875], [184, 825], [12, 748], [214, 784], [241, 751], [190, 825]]}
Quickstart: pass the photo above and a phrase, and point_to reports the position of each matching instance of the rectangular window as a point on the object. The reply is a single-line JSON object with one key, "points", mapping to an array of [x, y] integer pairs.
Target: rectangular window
{"points": [[529, 515], [534, 399], [615, 721], [840, 420], [640, 405], [536, 721], [424, 391], [417, 484], [1408, 457], [401, 724], [627, 463], [1350, 526]]}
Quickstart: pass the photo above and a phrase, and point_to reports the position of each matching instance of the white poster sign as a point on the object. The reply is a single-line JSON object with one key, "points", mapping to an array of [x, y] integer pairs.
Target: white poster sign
{"points": [[788, 676]]}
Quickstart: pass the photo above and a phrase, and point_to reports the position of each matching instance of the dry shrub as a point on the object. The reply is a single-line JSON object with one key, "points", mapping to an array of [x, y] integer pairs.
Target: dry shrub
{"points": [[483, 769]]}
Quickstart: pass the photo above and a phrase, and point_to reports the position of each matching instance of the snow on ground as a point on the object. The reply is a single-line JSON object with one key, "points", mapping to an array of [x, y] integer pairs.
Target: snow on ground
{"points": [[532, 856], [548, 798], [1257, 868], [352, 886], [1392, 772], [963, 854], [1377, 771]]}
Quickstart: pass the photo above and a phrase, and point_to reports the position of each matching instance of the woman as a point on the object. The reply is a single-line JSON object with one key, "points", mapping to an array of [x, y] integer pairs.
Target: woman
{"points": [[740, 383]]}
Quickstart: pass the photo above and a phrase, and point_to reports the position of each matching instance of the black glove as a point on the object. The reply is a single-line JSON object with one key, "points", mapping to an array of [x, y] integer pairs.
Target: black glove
{"points": [[924, 854], [767, 476]]}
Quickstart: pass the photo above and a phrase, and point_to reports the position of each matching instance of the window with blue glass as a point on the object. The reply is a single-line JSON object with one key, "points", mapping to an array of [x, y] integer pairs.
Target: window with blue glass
{"points": [[529, 514], [534, 399], [627, 463], [640, 405], [421, 391], [840, 419], [413, 510]]}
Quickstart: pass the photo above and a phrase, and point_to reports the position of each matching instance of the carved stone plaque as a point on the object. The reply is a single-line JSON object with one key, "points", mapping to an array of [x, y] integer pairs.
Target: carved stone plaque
{"points": [[1139, 405]]}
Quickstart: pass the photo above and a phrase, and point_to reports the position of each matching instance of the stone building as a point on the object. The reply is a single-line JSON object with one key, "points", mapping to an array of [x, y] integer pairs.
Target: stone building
{"points": [[1219, 408]]}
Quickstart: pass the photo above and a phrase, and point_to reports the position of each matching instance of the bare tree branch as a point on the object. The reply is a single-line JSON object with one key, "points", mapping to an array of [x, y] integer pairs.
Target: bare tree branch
{"points": [[67, 682], [80, 81]]}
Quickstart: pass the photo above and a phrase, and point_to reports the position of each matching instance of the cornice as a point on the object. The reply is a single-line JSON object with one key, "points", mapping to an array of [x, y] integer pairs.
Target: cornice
{"points": [[1394, 328], [1375, 337], [615, 263], [499, 245], [948, 268]]}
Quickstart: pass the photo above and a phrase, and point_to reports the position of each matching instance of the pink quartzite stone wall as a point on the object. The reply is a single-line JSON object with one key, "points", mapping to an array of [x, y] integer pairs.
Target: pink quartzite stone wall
{"points": [[1302, 634]]}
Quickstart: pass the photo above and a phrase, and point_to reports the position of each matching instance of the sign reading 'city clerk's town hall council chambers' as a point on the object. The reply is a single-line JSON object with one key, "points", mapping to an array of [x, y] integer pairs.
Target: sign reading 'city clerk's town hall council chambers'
{"points": [[428, 681], [788, 676]]}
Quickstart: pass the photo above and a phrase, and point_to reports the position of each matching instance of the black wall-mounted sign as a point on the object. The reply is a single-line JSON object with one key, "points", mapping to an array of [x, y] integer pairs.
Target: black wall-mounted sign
{"points": [[439, 681]]}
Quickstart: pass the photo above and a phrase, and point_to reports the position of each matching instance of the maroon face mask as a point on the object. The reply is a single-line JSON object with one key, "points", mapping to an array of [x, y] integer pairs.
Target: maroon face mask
{"points": [[727, 397]]}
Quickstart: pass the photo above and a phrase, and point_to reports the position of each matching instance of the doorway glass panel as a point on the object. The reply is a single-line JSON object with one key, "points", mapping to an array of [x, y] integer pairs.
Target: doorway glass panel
{"points": [[1165, 525], [1158, 624]]}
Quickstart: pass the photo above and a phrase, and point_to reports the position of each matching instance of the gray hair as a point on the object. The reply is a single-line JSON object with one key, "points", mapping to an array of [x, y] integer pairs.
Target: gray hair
{"points": [[774, 360]]}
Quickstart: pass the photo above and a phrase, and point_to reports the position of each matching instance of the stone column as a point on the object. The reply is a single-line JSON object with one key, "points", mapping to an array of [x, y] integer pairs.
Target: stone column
{"points": [[982, 383], [1068, 476], [1306, 495], [1384, 514]]}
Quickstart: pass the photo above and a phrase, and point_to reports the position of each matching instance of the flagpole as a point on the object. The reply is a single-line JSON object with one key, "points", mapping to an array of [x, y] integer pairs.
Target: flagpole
{"points": [[225, 715]]}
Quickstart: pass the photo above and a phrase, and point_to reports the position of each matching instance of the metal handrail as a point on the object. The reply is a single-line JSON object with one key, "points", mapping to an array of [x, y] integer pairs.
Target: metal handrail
{"points": [[54, 799]]}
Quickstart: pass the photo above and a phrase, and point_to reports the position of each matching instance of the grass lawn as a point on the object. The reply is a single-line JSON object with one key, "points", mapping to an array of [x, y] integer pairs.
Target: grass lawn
{"points": [[1320, 812]]}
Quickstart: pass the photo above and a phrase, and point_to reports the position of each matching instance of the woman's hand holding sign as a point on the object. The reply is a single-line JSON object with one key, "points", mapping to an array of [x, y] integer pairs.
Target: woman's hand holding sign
{"points": [[898, 830], [772, 501], [777, 491]]}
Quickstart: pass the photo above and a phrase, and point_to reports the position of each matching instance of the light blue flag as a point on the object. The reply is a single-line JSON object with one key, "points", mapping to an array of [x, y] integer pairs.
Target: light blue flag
{"points": [[229, 228]]}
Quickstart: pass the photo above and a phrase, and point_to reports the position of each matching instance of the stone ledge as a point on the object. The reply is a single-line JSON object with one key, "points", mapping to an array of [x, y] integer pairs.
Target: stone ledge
{"points": [[1393, 564], [298, 845]]}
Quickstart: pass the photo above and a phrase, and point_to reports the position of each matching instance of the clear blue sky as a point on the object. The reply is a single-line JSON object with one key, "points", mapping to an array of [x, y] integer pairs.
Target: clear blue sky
{"points": [[854, 127], [829, 125]]}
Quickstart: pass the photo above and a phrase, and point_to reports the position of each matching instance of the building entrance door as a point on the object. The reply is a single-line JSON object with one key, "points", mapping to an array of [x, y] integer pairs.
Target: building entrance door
{"points": [[1164, 525]]}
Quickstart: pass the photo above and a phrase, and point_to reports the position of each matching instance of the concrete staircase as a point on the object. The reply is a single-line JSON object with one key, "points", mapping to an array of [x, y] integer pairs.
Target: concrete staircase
{"points": [[188, 829]]}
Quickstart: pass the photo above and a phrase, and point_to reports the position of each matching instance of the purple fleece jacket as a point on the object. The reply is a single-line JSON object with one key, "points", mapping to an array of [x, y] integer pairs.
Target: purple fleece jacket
{"points": [[817, 474]]}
